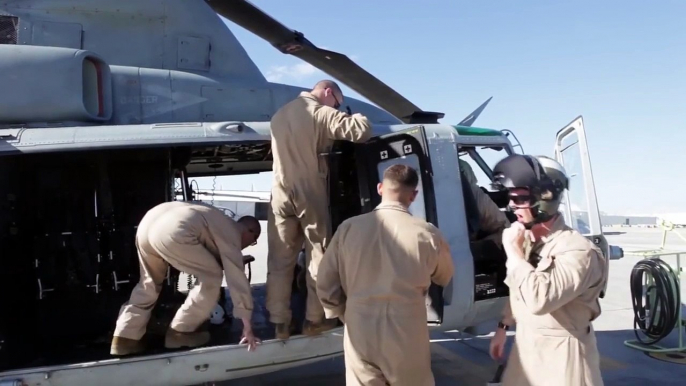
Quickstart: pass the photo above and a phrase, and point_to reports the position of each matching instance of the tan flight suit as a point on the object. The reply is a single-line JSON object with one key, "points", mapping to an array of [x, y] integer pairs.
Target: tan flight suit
{"points": [[375, 276], [553, 306], [491, 218], [193, 238], [302, 130]]}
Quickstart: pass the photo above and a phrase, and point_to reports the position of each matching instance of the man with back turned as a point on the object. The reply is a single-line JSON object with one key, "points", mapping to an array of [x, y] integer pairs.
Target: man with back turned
{"points": [[375, 276]]}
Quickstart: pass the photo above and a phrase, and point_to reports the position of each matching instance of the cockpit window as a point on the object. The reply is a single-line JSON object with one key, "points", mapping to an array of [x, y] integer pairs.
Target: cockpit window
{"points": [[489, 155]]}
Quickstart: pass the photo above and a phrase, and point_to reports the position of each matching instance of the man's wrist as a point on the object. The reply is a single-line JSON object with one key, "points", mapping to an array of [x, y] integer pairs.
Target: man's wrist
{"points": [[503, 326]]}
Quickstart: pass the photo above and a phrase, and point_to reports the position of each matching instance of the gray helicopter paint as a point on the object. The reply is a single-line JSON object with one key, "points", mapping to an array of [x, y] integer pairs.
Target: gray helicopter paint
{"points": [[460, 308], [166, 34], [192, 367], [179, 76], [49, 88], [442, 144], [158, 57], [156, 95], [58, 95], [34, 140], [229, 362]]}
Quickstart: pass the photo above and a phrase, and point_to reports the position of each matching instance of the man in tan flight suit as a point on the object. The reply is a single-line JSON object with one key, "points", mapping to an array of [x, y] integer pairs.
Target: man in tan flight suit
{"points": [[491, 219], [198, 239], [301, 132], [555, 277], [375, 276]]}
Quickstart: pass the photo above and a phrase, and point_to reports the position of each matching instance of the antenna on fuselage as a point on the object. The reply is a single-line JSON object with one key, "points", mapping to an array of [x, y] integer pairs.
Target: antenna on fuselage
{"points": [[471, 118]]}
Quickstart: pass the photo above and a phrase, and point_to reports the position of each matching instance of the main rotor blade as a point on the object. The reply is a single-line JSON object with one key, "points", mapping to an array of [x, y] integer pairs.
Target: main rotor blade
{"points": [[469, 120], [337, 65]]}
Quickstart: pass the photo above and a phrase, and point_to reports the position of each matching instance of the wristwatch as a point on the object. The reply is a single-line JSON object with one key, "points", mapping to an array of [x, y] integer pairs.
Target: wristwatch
{"points": [[503, 326]]}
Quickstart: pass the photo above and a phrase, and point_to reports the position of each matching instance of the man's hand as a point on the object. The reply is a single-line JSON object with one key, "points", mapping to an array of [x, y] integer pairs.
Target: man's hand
{"points": [[513, 239], [497, 348], [248, 336]]}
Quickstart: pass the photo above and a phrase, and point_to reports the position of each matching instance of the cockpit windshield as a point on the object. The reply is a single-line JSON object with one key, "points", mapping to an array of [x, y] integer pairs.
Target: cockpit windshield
{"points": [[481, 160]]}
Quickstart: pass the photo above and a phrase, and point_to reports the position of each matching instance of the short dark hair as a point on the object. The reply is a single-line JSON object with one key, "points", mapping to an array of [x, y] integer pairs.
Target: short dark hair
{"points": [[402, 176], [251, 223]]}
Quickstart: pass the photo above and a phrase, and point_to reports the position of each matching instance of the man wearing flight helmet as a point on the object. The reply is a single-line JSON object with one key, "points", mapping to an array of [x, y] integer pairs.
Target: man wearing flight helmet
{"points": [[555, 277]]}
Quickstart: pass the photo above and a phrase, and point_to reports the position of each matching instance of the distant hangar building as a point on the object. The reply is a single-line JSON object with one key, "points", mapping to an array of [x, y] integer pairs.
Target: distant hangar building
{"points": [[618, 220]]}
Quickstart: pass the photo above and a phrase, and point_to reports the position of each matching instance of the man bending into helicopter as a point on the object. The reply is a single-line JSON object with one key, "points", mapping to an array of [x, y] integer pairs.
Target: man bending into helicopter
{"points": [[198, 239], [301, 131]]}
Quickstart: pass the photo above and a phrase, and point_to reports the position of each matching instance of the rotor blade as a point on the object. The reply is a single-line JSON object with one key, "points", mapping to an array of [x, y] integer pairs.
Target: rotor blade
{"points": [[469, 120], [335, 64]]}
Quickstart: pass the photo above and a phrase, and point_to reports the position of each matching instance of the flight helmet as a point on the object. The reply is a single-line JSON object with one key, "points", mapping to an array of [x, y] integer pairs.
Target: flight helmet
{"points": [[544, 177]]}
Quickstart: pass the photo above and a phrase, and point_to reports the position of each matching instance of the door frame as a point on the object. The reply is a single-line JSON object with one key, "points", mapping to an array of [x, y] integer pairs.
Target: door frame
{"points": [[595, 229], [399, 145]]}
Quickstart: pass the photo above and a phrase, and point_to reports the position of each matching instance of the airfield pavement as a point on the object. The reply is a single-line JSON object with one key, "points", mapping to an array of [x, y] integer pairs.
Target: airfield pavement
{"points": [[461, 359]]}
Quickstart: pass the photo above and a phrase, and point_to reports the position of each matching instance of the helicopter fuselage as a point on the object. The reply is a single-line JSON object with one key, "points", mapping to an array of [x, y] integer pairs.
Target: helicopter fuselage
{"points": [[109, 108], [93, 183]]}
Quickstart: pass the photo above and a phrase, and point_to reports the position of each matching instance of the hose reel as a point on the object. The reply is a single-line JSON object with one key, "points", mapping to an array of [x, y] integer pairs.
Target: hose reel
{"points": [[656, 298]]}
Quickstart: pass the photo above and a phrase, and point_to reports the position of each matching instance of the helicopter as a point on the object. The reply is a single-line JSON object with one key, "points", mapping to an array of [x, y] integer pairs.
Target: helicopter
{"points": [[110, 108]]}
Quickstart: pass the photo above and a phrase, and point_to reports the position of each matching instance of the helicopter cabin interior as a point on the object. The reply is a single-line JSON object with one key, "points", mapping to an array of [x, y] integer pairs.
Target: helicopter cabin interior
{"points": [[68, 259]]}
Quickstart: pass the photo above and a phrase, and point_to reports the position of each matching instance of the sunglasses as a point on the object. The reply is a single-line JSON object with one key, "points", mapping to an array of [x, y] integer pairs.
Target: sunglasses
{"points": [[337, 104], [520, 200]]}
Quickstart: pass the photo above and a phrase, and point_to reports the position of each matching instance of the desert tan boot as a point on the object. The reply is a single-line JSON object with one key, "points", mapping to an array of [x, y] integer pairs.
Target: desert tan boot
{"points": [[315, 328], [176, 339], [282, 331], [124, 346]]}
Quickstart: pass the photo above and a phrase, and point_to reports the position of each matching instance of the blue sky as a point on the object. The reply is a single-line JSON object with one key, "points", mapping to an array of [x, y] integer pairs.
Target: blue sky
{"points": [[620, 64]]}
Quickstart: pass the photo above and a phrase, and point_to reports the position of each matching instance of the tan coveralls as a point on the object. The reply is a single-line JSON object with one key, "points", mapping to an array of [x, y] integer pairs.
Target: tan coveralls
{"points": [[553, 306], [491, 218], [193, 238], [300, 131], [375, 276]]}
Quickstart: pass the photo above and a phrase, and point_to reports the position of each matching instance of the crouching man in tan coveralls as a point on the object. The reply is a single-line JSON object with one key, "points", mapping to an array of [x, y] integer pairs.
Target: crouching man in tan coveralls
{"points": [[198, 239], [555, 277], [302, 131], [375, 276]]}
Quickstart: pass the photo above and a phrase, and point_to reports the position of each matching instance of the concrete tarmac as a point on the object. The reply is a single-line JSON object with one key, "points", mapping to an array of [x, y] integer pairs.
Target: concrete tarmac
{"points": [[462, 359]]}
